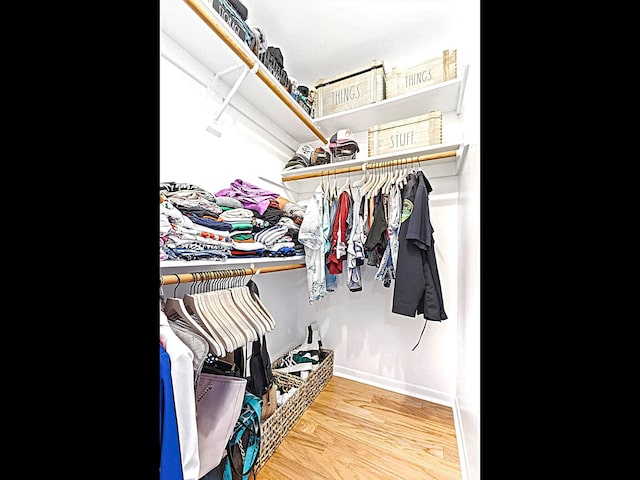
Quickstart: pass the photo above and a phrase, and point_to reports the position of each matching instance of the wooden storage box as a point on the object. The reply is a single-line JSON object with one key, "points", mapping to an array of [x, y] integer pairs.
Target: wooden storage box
{"points": [[435, 70], [350, 90], [406, 134]]}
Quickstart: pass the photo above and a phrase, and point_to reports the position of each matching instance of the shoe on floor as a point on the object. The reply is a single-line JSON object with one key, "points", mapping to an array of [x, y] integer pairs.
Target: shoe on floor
{"points": [[288, 364]]}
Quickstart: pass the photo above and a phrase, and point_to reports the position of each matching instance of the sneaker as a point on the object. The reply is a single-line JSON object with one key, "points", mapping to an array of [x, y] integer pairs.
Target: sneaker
{"points": [[313, 343], [306, 357], [288, 364], [281, 398]]}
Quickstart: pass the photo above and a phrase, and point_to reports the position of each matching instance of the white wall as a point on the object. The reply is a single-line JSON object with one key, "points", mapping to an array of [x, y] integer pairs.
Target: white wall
{"points": [[468, 341]]}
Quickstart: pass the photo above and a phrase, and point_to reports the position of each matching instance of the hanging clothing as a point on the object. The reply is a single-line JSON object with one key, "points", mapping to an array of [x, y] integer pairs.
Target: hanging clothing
{"points": [[329, 210], [182, 379], [387, 269], [170, 463], [377, 237], [394, 221], [338, 251], [355, 244], [311, 237], [417, 286]]}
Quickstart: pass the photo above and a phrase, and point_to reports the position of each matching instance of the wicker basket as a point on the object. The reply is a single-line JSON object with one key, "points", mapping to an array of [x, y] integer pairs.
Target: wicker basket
{"points": [[318, 378], [276, 427]]}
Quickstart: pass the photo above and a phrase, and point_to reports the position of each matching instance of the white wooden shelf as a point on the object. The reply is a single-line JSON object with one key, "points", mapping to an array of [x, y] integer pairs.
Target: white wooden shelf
{"points": [[168, 267], [460, 148], [183, 26], [445, 97]]}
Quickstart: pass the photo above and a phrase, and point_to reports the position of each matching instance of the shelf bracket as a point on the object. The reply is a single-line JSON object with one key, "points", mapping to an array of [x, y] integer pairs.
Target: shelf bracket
{"points": [[463, 84], [214, 126], [226, 71], [462, 154]]}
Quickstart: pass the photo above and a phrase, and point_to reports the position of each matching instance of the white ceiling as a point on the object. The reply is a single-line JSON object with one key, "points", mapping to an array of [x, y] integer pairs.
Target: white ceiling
{"points": [[324, 38]]}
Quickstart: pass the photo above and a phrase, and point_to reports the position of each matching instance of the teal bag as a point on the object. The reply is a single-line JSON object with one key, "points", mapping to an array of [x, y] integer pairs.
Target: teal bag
{"points": [[244, 445]]}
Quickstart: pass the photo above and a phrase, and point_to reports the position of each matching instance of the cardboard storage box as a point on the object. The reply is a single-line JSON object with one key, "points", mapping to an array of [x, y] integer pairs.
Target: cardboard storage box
{"points": [[350, 90], [435, 70], [414, 132]]}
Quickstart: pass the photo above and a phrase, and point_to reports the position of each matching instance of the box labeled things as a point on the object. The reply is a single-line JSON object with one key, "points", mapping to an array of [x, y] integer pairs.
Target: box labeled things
{"points": [[349, 90], [433, 71], [406, 134]]}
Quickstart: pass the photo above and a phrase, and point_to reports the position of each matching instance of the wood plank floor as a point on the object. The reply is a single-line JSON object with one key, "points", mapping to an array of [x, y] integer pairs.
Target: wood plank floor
{"points": [[353, 431]]}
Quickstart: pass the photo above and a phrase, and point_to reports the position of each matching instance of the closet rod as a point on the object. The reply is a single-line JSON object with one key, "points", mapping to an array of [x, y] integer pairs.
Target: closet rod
{"points": [[206, 16], [369, 166], [216, 274]]}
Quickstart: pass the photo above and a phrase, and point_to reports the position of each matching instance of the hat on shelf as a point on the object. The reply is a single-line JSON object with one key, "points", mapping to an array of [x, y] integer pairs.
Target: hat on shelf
{"points": [[343, 145], [343, 137], [300, 159], [320, 156]]}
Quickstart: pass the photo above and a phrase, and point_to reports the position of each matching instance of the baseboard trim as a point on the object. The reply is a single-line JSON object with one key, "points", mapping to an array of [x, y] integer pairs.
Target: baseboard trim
{"points": [[395, 386]]}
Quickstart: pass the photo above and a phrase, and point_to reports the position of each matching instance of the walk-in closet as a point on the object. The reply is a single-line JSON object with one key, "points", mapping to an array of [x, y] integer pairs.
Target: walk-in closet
{"points": [[241, 139]]}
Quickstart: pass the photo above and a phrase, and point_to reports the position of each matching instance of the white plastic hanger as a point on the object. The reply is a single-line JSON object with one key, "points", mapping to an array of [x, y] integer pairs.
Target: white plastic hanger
{"points": [[369, 184], [347, 184], [216, 302], [196, 305], [382, 178], [261, 305], [237, 316], [175, 310], [253, 314], [386, 188], [363, 179]]}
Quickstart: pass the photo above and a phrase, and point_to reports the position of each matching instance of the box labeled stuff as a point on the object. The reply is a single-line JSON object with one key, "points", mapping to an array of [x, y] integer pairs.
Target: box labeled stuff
{"points": [[349, 90], [425, 74], [413, 132]]}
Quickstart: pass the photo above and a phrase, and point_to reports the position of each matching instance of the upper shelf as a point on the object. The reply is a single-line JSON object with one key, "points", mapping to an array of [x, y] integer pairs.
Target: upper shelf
{"points": [[203, 34], [221, 52], [443, 97]]}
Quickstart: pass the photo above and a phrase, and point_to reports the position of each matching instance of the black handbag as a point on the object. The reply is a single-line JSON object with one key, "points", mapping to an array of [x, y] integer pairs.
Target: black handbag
{"points": [[260, 374]]}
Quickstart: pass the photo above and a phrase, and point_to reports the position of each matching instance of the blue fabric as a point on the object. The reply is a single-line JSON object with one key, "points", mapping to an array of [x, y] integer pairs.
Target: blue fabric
{"points": [[170, 463], [249, 419]]}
